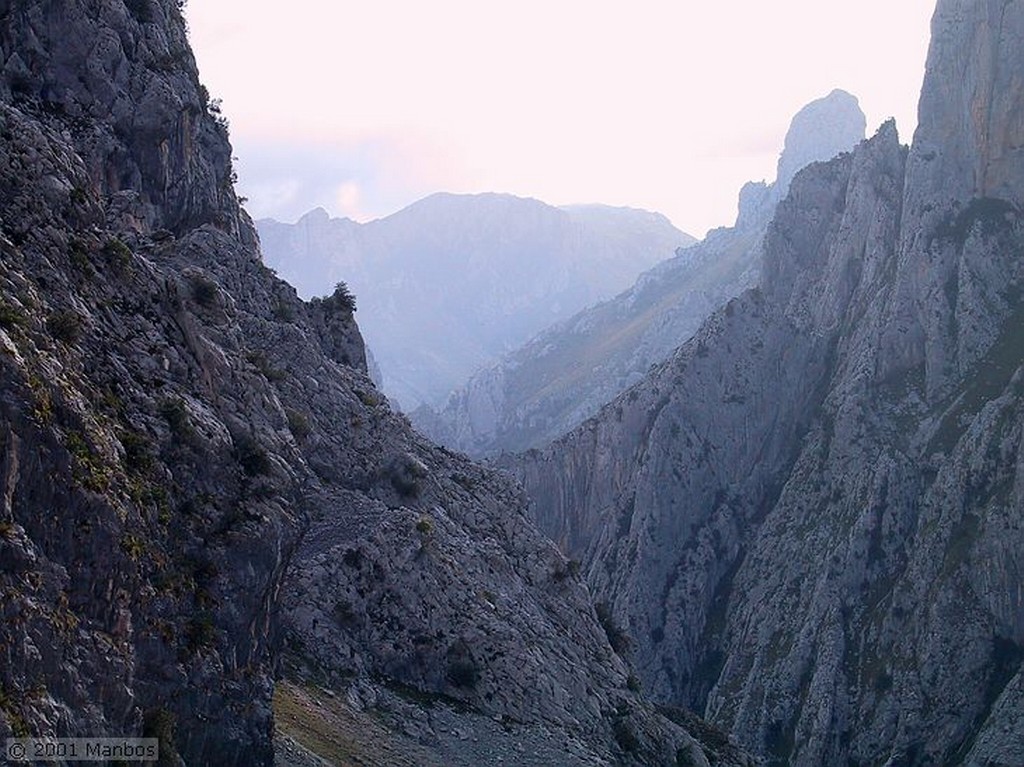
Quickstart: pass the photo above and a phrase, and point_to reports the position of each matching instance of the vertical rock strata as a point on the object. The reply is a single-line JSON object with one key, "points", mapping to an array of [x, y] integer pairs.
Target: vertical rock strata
{"points": [[810, 517]]}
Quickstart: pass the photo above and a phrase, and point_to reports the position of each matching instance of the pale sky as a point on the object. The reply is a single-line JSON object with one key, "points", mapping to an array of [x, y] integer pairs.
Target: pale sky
{"points": [[364, 107]]}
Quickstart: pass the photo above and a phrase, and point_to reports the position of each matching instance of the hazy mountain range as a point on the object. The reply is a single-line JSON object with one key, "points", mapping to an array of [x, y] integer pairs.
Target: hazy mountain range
{"points": [[452, 282], [565, 373]]}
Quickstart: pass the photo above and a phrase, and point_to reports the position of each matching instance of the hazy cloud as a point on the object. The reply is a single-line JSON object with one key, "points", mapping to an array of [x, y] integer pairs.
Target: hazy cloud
{"points": [[567, 101], [360, 180]]}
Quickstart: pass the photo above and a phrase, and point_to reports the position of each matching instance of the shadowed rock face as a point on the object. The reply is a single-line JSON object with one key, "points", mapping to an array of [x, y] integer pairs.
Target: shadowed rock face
{"points": [[566, 373], [123, 78], [145, 528], [809, 517], [200, 487]]}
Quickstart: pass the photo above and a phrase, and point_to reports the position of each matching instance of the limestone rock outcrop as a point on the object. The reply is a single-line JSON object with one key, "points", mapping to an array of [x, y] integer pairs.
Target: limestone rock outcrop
{"points": [[123, 78]]}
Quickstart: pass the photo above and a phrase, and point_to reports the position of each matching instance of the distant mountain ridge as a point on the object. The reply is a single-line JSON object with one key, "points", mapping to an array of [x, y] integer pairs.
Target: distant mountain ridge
{"points": [[512, 267], [564, 374]]}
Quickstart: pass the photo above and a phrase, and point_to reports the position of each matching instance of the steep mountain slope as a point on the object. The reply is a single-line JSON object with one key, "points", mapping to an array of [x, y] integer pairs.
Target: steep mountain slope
{"points": [[564, 375], [200, 486], [448, 284], [809, 519]]}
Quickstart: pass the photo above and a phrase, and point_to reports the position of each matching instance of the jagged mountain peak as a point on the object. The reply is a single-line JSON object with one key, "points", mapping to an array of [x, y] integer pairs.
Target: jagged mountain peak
{"points": [[822, 129], [316, 216], [451, 206]]}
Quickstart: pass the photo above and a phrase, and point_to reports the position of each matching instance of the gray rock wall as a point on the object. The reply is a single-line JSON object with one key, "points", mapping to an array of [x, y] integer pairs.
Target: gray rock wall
{"points": [[816, 539], [123, 78]]}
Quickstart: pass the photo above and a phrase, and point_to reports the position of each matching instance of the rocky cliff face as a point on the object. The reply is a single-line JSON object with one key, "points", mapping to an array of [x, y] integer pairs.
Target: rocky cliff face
{"points": [[450, 283], [200, 487], [140, 549], [566, 373], [809, 518], [125, 83]]}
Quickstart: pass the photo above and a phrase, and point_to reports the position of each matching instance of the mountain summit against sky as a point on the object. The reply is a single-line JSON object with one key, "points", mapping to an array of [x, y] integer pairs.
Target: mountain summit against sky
{"points": [[565, 373], [450, 283]]}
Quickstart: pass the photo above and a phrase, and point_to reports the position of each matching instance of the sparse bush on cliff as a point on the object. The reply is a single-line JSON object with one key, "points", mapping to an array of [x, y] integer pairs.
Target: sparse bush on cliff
{"points": [[176, 414], [298, 423], [142, 10], [10, 316], [617, 638], [117, 255], [342, 300], [204, 291], [65, 326], [252, 457]]}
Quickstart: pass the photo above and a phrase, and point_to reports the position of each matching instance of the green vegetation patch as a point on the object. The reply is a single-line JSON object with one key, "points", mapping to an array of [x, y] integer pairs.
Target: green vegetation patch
{"points": [[89, 469], [117, 255], [65, 326], [175, 412], [298, 423], [325, 726], [617, 637], [252, 457], [341, 301], [11, 316], [204, 291]]}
